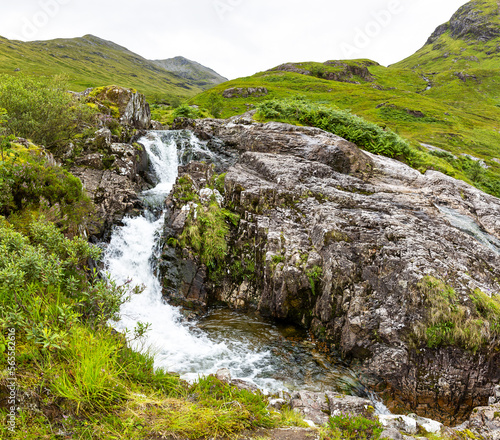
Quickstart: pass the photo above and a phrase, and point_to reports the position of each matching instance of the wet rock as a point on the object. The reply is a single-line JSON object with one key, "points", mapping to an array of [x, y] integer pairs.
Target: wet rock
{"points": [[484, 422], [495, 398], [183, 280], [113, 181], [224, 375], [340, 404], [245, 385], [155, 125], [114, 196], [277, 403]]}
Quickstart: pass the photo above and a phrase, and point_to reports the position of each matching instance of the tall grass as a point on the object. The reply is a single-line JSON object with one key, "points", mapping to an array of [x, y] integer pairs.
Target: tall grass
{"points": [[473, 323], [91, 378]]}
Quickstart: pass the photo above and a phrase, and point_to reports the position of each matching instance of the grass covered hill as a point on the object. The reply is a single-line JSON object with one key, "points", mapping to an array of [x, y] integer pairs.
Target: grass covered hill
{"points": [[445, 99], [90, 61]]}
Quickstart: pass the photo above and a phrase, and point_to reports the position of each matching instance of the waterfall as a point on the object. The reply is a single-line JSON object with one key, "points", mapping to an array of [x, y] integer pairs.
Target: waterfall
{"points": [[252, 349], [130, 257]]}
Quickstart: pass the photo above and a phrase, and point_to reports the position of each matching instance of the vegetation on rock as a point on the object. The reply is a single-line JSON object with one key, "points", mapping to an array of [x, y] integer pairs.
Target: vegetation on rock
{"points": [[472, 322]]}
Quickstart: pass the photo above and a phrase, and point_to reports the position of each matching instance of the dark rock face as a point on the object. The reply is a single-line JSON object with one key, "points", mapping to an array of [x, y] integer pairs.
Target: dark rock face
{"points": [[340, 239], [469, 23], [183, 277], [440, 30]]}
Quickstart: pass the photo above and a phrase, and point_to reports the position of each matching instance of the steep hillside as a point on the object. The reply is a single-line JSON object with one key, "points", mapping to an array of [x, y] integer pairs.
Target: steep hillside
{"points": [[200, 75], [441, 105], [470, 40], [90, 61]]}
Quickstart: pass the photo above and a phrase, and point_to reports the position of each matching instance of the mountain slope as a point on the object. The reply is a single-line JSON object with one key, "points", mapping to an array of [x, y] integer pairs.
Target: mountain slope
{"points": [[91, 61], [470, 40], [430, 99], [200, 75]]}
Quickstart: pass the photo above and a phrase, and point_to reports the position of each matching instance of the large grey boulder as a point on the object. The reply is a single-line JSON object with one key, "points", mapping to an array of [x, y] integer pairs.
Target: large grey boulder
{"points": [[342, 242]]}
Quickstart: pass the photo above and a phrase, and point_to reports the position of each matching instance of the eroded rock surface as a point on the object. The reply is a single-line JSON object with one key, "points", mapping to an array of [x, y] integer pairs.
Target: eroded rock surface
{"points": [[340, 241], [113, 174]]}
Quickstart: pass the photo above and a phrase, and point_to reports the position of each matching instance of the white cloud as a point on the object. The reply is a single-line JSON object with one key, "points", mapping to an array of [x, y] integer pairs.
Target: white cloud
{"points": [[238, 37]]}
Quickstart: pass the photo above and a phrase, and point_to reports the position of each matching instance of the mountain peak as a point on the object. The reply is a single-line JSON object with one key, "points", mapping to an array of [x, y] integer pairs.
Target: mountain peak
{"points": [[203, 76], [476, 20], [471, 39]]}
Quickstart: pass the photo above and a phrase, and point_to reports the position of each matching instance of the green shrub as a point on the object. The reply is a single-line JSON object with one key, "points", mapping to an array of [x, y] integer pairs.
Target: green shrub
{"points": [[314, 275], [185, 111], [215, 104], [35, 185], [41, 109], [365, 134]]}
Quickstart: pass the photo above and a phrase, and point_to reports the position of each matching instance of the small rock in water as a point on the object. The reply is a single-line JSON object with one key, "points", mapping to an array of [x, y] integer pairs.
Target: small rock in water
{"points": [[224, 375]]}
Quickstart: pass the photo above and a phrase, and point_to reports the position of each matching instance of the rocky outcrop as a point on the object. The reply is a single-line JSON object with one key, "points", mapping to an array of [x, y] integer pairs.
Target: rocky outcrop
{"points": [[470, 22], [342, 71], [131, 107], [113, 174], [112, 167], [245, 92], [357, 248]]}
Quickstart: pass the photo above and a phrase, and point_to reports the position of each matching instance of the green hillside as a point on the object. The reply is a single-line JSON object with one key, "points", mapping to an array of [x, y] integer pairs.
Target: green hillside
{"points": [[89, 62], [427, 98]]}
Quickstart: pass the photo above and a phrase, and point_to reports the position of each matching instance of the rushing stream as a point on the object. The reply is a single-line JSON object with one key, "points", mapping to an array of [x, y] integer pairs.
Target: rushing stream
{"points": [[261, 352]]}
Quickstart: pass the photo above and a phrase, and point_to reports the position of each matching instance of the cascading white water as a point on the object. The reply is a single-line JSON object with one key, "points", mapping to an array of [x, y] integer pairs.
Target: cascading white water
{"points": [[252, 349], [130, 256]]}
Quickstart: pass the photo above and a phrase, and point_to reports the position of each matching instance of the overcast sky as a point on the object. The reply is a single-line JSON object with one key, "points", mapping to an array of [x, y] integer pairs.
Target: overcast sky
{"points": [[237, 37]]}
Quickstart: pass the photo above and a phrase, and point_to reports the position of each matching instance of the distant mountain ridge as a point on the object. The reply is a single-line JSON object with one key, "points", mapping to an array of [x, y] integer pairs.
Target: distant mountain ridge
{"points": [[91, 61], [203, 76]]}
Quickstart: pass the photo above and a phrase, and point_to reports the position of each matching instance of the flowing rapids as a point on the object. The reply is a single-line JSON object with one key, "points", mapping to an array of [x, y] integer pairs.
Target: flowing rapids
{"points": [[273, 358]]}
